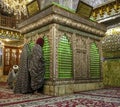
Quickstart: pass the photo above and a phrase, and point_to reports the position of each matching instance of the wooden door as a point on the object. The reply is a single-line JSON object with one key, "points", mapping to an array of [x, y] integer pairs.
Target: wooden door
{"points": [[11, 57]]}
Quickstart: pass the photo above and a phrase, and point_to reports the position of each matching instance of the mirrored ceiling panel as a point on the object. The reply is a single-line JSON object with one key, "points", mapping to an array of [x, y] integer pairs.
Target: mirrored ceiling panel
{"points": [[97, 3]]}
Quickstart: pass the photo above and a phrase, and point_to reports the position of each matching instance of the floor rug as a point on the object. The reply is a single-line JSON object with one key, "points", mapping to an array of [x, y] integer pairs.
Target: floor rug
{"points": [[96, 98], [8, 98]]}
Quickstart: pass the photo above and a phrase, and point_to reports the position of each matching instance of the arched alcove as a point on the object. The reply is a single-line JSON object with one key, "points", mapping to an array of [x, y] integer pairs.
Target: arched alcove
{"points": [[46, 50], [64, 58], [94, 61]]}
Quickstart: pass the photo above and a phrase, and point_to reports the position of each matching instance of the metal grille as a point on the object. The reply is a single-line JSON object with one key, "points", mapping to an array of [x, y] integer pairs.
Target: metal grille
{"points": [[64, 58], [46, 50], [94, 61]]}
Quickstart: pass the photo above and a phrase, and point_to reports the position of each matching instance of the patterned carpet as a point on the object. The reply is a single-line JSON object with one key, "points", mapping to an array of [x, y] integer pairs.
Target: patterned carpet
{"points": [[97, 98]]}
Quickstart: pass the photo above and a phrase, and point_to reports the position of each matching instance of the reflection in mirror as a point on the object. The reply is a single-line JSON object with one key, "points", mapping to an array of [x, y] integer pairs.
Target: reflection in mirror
{"points": [[1, 53]]}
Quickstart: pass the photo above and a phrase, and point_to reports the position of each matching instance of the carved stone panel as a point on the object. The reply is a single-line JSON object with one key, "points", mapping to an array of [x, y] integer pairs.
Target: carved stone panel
{"points": [[81, 66]]}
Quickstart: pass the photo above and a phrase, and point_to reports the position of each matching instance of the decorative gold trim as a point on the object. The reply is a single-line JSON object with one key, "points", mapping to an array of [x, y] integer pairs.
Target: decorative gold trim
{"points": [[10, 34], [62, 20], [106, 11]]}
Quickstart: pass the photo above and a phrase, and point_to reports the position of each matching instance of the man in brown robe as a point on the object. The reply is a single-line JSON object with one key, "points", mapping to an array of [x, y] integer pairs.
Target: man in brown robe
{"points": [[12, 76]]}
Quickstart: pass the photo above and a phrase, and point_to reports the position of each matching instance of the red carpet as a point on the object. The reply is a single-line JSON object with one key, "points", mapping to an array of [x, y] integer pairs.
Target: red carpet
{"points": [[97, 98]]}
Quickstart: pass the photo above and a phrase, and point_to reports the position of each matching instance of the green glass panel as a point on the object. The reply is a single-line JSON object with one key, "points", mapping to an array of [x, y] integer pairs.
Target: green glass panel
{"points": [[94, 62], [46, 50], [64, 58]]}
